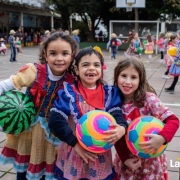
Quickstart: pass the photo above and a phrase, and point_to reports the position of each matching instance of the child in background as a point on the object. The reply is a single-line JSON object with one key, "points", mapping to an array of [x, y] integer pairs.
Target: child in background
{"points": [[130, 34], [28, 40], [168, 60], [75, 34], [166, 40], [3, 47], [175, 66], [113, 43], [88, 93], [161, 45], [35, 39], [149, 47], [134, 46], [18, 44], [139, 99], [11, 41], [33, 152]]}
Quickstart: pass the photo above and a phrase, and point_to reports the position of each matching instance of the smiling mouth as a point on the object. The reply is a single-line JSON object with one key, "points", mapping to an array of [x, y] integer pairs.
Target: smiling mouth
{"points": [[90, 75], [59, 64], [126, 88]]}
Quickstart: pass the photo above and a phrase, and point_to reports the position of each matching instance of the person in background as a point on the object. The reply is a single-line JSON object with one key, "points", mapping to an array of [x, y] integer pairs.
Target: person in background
{"points": [[130, 34], [160, 43], [11, 41], [134, 46], [35, 38], [3, 47], [18, 44], [149, 46], [28, 40], [47, 34], [168, 60], [175, 67], [66, 32], [101, 36], [20, 34], [113, 43], [25, 39], [75, 34]]}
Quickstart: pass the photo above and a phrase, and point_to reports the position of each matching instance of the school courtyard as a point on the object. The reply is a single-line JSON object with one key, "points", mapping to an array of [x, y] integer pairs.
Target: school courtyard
{"points": [[154, 70]]}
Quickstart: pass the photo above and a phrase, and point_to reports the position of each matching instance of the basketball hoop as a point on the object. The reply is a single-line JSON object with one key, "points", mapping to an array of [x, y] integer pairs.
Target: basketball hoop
{"points": [[129, 7]]}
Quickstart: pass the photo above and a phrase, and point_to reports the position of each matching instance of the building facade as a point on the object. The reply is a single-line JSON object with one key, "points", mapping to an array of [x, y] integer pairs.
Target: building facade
{"points": [[30, 14]]}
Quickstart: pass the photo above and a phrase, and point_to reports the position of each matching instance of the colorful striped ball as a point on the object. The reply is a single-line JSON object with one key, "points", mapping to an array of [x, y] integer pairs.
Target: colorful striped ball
{"points": [[140, 126], [90, 128]]}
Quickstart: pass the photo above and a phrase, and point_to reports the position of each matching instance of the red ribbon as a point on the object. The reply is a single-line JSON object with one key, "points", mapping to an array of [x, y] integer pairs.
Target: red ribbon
{"points": [[37, 94]]}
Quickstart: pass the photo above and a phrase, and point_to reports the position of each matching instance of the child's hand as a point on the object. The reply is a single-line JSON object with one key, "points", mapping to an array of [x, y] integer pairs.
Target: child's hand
{"points": [[115, 134], [85, 155], [155, 142], [133, 163]]}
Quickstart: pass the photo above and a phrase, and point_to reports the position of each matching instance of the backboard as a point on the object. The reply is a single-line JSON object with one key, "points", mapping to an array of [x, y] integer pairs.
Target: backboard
{"points": [[130, 3]]}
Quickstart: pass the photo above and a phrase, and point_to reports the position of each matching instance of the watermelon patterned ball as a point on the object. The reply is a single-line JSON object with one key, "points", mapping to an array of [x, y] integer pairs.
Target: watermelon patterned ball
{"points": [[17, 112], [90, 128], [140, 126]]}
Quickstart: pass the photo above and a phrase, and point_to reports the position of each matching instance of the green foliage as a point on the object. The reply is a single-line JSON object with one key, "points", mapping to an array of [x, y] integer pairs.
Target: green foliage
{"points": [[83, 30], [106, 10]]}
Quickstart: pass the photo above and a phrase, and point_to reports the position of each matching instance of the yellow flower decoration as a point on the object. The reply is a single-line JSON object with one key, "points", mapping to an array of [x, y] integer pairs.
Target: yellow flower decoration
{"points": [[98, 49]]}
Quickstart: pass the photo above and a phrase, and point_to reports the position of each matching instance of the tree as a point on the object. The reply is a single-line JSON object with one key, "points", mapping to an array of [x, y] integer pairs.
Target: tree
{"points": [[94, 9], [63, 7], [105, 10]]}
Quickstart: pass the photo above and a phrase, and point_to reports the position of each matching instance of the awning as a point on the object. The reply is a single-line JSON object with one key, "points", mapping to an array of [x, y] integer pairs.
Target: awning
{"points": [[55, 14]]}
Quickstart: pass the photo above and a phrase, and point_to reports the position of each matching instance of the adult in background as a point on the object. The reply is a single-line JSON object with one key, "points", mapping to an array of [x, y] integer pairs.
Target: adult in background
{"points": [[11, 41]]}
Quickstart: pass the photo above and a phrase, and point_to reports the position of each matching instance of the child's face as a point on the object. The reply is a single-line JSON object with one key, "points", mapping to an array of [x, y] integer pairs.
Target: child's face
{"points": [[128, 82], [136, 36], [58, 56], [174, 40], [89, 70]]}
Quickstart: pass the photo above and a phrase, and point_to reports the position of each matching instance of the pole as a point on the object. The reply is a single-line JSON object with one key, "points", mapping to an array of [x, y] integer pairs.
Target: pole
{"points": [[52, 22], [70, 24]]}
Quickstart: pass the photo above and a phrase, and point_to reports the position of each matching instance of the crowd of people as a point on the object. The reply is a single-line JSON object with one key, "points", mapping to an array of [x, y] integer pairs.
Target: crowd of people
{"points": [[66, 84], [17, 38], [165, 43]]}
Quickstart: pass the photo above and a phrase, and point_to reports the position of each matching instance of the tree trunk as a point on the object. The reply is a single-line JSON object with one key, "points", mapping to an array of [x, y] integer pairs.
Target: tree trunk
{"points": [[136, 19], [92, 32]]}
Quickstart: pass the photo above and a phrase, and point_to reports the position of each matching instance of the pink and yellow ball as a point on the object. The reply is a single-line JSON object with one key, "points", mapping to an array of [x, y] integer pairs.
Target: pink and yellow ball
{"points": [[140, 126], [90, 128]]}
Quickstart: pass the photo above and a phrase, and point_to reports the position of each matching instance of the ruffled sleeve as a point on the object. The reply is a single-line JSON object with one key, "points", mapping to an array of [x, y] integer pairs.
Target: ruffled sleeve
{"points": [[112, 97], [58, 121], [113, 103], [66, 101], [156, 107]]}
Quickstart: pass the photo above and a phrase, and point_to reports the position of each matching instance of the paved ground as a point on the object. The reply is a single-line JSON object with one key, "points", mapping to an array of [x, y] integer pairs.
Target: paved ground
{"points": [[154, 71]]}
